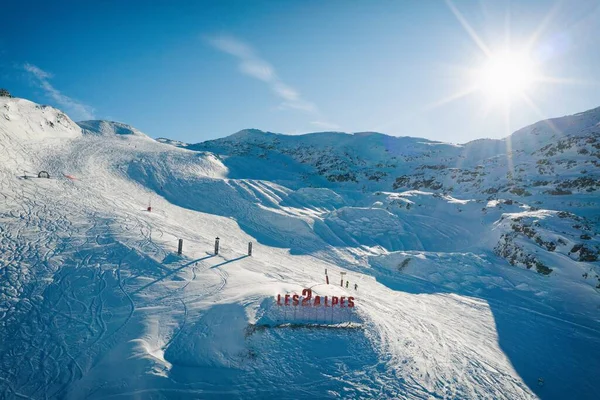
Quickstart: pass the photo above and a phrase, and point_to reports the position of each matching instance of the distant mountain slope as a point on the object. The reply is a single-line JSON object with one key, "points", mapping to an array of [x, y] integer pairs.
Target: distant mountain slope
{"points": [[549, 160]]}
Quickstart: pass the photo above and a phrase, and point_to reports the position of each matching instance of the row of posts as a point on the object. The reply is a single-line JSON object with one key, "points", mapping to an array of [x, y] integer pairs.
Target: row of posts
{"points": [[341, 281], [180, 247], [180, 251]]}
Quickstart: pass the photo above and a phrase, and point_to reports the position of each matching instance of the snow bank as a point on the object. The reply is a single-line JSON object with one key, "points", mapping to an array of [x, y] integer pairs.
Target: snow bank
{"points": [[370, 227]]}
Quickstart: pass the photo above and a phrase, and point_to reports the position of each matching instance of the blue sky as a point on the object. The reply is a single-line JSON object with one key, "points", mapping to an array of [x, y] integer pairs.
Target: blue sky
{"points": [[197, 70]]}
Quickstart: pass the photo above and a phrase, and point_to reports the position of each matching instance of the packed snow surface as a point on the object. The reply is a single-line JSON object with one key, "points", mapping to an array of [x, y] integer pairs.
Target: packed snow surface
{"points": [[453, 294]]}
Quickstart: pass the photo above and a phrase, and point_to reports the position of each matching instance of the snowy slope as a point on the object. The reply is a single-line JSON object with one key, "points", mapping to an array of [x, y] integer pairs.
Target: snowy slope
{"points": [[94, 303]]}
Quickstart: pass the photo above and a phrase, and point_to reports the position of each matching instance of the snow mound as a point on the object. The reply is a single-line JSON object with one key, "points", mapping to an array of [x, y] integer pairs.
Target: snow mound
{"points": [[463, 272], [99, 127], [370, 227], [416, 201], [217, 340], [318, 198]]}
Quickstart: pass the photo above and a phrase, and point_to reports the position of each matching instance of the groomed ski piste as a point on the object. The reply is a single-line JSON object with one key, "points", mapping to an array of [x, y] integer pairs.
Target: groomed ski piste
{"points": [[96, 303]]}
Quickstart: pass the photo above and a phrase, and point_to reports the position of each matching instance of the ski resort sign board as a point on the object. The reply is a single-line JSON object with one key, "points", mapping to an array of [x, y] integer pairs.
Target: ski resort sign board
{"points": [[307, 300]]}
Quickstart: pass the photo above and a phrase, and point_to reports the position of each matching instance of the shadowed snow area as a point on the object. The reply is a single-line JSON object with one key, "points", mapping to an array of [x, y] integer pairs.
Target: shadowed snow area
{"points": [[474, 292]]}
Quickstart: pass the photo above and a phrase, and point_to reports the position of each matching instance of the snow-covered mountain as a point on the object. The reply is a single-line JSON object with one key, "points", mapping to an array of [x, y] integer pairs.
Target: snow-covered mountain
{"points": [[476, 265], [548, 171]]}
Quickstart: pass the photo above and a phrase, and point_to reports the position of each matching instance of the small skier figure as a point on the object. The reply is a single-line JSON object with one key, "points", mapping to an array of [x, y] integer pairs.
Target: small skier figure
{"points": [[356, 286]]}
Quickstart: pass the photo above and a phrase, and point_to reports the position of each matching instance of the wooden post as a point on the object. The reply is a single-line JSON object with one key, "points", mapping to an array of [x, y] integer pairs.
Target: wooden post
{"points": [[249, 248], [180, 248], [216, 246]]}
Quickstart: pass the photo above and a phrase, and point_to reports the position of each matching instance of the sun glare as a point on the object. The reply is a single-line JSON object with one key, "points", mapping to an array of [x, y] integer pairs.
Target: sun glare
{"points": [[506, 75], [510, 74]]}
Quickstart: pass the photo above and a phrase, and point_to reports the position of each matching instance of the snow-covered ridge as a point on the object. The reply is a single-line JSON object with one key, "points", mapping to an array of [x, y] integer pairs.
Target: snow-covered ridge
{"points": [[98, 127], [24, 120], [543, 162]]}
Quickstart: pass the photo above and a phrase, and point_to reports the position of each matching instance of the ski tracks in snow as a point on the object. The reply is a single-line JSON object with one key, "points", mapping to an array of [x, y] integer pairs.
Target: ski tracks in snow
{"points": [[76, 295]]}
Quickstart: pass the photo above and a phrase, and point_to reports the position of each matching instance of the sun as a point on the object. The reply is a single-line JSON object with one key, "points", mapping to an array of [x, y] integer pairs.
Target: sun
{"points": [[506, 75], [510, 73]]}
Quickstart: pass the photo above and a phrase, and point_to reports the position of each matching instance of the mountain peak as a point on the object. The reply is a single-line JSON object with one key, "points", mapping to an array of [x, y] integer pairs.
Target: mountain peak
{"points": [[20, 115], [101, 127]]}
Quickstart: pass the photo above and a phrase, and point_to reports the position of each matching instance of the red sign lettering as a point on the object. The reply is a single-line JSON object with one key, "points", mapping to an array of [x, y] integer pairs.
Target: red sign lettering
{"points": [[307, 300]]}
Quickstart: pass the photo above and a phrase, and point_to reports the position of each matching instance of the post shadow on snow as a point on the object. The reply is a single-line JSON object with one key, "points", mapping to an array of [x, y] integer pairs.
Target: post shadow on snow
{"points": [[172, 272], [563, 353], [229, 261]]}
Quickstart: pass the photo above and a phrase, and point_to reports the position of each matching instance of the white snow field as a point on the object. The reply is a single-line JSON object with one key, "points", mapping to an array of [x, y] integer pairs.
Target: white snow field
{"points": [[454, 297]]}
